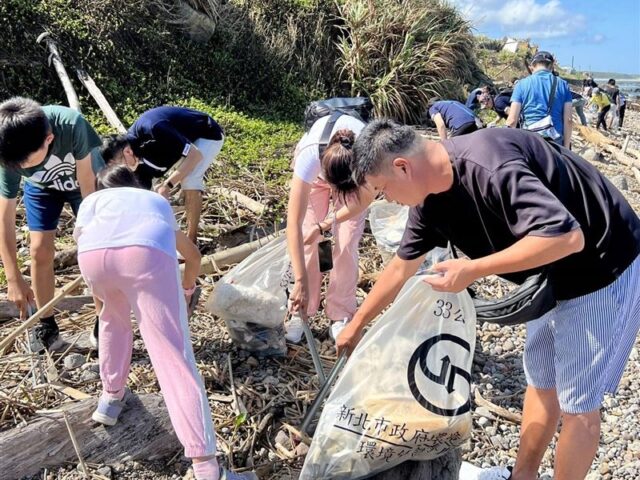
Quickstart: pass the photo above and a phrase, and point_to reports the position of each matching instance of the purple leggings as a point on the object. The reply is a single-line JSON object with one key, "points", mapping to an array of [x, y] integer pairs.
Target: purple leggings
{"points": [[147, 281]]}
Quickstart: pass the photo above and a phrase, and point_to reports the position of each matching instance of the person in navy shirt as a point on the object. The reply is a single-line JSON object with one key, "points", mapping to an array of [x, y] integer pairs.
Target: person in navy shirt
{"points": [[452, 115], [499, 104], [531, 98], [163, 137]]}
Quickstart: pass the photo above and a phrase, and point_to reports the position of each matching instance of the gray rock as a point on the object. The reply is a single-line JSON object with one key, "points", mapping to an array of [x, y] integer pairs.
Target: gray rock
{"points": [[104, 471], [483, 421], [508, 345], [591, 155], [283, 439], [270, 380], [73, 361], [89, 376], [484, 412]]}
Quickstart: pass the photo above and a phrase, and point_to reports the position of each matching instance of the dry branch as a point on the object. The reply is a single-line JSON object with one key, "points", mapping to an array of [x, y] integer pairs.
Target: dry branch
{"points": [[36, 316], [8, 310], [100, 99], [54, 58], [249, 203], [500, 411]]}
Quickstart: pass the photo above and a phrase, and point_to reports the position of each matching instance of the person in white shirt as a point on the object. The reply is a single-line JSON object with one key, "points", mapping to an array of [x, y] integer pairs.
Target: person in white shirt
{"points": [[127, 239], [309, 217]]}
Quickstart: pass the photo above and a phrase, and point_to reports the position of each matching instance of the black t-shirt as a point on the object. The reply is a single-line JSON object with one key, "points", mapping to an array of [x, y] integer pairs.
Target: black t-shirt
{"points": [[501, 102], [163, 135], [522, 185]]}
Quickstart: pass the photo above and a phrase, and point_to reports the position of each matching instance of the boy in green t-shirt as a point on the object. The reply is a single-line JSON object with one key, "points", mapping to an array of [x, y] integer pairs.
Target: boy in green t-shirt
{"points": [[51, 147]]}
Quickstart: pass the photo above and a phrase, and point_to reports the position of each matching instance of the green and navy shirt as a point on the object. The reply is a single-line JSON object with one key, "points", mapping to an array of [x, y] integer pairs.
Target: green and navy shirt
{"points": [[73, 140]]}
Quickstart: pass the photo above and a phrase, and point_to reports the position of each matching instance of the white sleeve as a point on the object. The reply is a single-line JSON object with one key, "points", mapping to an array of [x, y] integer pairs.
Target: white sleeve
{"points": [[307, 164]]}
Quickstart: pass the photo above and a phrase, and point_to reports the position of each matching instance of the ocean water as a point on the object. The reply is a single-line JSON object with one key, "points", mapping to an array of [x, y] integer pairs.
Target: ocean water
{"points": [[631, 87]]}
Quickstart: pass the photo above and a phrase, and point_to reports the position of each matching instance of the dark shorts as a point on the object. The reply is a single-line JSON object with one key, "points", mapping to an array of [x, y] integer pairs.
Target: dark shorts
{"points": [[464, 129], [44, 206]]}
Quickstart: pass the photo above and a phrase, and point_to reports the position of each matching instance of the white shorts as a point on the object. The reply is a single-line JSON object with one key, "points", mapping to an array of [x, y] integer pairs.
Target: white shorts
{"points": [[210, 150]]}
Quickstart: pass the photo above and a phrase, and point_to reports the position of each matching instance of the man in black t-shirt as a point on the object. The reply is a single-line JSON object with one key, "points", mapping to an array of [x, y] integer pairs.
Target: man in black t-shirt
{"points": [[161, 138], [513, 202]]}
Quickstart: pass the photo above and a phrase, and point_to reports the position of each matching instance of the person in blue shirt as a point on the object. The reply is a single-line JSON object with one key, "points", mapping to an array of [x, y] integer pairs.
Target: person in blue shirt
{"points": [[473, 100], [452, 115], [163, 137], [531, 98]]}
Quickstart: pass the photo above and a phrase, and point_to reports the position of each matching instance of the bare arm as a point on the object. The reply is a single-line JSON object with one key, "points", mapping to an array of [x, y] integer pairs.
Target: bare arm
{"points": [[382, 294], [527, 253], [355, 206], [568, 123], [514, 113], [186, 166], [85, 176], [18, 290], [297, 207], [191, 256], [442, 128]]}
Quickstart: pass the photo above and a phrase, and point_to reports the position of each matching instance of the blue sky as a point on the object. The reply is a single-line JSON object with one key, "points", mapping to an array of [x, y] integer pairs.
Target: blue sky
{"points": [[602, 36]]}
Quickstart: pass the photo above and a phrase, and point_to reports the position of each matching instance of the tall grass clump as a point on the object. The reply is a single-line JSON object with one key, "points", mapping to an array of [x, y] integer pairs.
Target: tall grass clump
{"points": [[402, 53]]}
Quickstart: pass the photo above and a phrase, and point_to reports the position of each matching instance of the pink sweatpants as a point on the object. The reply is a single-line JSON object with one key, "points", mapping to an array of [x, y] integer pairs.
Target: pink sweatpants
{"points": [[147, 281], [343, 279]]}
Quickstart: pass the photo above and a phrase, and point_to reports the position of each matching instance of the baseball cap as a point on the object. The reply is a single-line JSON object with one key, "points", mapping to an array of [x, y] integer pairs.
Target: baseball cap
{"points": [[542, 56]]}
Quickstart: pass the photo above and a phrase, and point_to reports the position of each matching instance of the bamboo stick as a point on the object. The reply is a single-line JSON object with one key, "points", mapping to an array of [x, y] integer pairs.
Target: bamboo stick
{"points": [[36, 316], [55, 58]]}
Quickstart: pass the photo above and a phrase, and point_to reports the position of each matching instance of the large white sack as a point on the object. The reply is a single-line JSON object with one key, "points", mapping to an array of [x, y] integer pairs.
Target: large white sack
{"points": [[251, 298], [404, 393]]}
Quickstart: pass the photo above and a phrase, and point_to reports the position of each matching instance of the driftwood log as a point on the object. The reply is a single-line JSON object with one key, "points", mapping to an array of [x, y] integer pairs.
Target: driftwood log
{"points": [[143, 432], [446, 467]]}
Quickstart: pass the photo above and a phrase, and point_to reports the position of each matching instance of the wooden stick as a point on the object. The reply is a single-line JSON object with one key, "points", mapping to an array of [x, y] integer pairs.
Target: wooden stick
{"points": [[493, 408], [636, 173], [55, 58], [625, 144], [251, 204], [36, 316], [85, 472], [100, 99]]}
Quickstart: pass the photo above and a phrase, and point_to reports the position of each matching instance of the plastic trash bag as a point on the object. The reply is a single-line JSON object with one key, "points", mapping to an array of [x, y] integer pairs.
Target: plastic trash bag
{"points": [[404, 393], [252, 300], [388, 221]]}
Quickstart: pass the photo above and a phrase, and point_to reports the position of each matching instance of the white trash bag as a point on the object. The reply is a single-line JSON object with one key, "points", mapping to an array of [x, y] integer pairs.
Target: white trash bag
{"points": [[388, 221], [252, 300], [404, 393]]}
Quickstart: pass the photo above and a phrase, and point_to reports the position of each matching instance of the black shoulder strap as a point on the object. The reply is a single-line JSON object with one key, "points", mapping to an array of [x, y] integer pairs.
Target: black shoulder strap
{"points": [[326, 133], [552, 94]]}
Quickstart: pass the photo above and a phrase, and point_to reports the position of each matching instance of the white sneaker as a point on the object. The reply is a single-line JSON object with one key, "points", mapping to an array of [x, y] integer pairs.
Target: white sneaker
{"points": [[337, 327], [293, 329], [495, 473]]}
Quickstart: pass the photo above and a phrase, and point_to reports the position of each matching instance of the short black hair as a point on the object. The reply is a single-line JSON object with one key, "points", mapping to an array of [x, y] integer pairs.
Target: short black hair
{"points": [[112, 147], [116, 175], [377, 141], [23, 129], [612, 81]]}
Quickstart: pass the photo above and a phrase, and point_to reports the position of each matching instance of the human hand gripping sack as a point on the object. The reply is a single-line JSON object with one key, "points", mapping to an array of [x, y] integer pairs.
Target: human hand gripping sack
{"points": [[455, 275], [299, 296]]}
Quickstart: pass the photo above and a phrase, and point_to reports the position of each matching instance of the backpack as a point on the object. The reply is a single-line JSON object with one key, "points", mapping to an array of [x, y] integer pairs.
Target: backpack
{"points": [[356, 107]]}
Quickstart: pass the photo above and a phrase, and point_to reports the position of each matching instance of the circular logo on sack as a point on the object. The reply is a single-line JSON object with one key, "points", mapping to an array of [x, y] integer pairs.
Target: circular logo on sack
{"points": [[445, 377]]}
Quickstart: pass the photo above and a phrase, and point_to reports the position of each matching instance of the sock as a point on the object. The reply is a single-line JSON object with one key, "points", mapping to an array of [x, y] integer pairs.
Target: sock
{"points": [[208, 470], [50, 321]]}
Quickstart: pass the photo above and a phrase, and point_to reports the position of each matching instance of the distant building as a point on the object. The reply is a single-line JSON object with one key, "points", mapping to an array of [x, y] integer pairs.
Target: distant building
{"points": [[512, 45]]}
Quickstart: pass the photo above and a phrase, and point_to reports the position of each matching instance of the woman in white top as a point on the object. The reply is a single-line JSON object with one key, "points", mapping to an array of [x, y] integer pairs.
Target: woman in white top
{"points": [[309, 217], [127, 239]]}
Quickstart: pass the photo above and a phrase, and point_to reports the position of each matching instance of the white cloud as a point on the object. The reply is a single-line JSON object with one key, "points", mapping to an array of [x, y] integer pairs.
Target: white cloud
{"points": [[524, 18]]}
